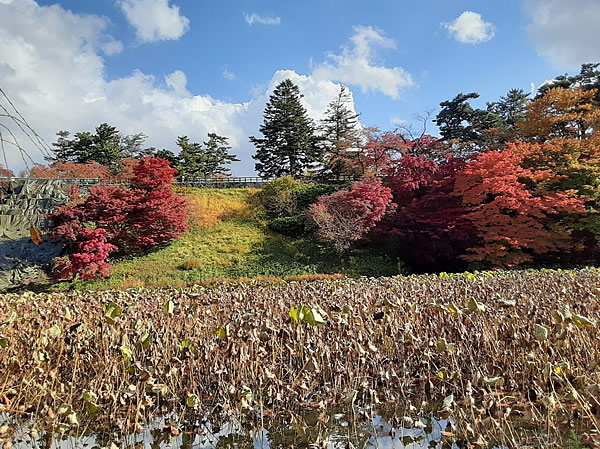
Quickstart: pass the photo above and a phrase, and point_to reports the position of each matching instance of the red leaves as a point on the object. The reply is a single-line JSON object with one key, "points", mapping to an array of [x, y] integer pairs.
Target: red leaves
{"points": [[89, 260], [131, 220], [429, 224], [5, 172], [152, 173], [346, 216], [516, 219]]}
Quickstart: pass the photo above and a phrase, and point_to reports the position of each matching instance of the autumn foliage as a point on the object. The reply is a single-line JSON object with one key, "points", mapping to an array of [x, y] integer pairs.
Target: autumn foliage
{"points": [[70, 170], [515, 218], [131, 219], [5, 173], [429, 225], [348, 215], [89, 258], [521, 203]]}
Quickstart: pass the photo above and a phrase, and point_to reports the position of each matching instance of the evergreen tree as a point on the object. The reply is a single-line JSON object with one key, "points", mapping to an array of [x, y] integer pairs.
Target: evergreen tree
{"points": [[511, 108], [340, 131], [189, 158], [204, 160], [106, 146], [216, 156], [460, 123], [289, 145], [587, 79], [163, 153]]}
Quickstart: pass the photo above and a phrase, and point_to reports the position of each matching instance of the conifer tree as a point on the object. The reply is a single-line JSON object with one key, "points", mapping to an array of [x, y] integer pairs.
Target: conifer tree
{"points": [[204, 160], [289, 145], [340, 133]]}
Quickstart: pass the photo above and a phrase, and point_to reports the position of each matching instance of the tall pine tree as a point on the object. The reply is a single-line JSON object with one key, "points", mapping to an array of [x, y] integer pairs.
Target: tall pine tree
{"points": [[340, 131], [289, 145]]}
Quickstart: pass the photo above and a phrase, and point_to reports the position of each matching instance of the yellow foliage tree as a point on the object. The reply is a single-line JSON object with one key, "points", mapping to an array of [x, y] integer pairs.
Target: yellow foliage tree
{"points": [[563, 114]]}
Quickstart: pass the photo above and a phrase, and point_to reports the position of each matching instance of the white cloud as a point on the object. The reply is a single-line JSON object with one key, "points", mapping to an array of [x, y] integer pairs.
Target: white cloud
{"points": [[397, 121], [355, 65], [470, 28], [228, 75], [154, 20], [253, 18], [52, 67], [565, 33]]}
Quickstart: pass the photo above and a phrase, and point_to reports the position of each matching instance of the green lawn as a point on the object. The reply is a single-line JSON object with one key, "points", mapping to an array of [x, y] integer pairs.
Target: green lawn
{"points": [[231, 242]]}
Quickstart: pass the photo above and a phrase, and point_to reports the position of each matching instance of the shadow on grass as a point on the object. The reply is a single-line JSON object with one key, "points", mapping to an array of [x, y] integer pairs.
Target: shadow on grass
{"points": [[307, 255]]}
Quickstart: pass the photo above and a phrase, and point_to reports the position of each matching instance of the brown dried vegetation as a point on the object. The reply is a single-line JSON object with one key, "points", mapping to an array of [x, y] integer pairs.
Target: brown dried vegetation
{"points": [[491, 349]]}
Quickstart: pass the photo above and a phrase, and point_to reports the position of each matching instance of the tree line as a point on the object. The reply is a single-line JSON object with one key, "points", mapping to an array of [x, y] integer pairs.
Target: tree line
{"points": [[516, 183], [106, 152]]}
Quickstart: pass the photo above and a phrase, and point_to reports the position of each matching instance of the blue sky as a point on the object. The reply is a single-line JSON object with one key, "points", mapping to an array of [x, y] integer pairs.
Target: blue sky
{"points": [[175, 67]]}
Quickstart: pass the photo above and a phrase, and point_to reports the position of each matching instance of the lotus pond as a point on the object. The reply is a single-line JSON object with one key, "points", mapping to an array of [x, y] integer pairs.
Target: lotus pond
{"points": [[499, 359]]}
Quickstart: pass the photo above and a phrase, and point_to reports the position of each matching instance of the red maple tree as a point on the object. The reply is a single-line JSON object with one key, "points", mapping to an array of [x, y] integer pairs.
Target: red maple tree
{"points": [[348, 215]]}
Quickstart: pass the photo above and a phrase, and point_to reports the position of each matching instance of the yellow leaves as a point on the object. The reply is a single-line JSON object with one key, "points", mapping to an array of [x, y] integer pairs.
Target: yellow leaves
{"points": [[473, 306], [223, 332], [36, 235], [494, 381], [315, 316], [112, 311], [562, 113], [443, 346], [583, 322]]}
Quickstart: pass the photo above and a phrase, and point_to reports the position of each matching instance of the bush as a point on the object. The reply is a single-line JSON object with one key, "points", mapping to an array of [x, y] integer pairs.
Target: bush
{"points": [[307, 195], [291, 226], [277, 197], [89, 260], [346, 216], [131, 219]]}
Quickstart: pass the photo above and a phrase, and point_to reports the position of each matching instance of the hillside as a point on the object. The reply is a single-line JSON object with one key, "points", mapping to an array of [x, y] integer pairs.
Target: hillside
{"points": [[230, 240]]}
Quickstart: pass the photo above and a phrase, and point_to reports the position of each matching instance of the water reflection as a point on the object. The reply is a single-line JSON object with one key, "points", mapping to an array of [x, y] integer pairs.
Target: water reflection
{"points": [[313, 430]]}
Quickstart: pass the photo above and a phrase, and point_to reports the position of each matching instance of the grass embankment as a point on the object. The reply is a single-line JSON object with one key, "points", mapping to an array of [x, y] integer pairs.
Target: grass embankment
{"points": [[513, 356], [229, 241]]}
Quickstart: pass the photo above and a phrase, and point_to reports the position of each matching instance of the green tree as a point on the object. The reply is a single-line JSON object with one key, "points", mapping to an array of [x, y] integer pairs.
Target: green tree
{"points": [[289, 145], [511, 108], [340, 132], [163, 153], [217, 156], [465, 127], [204, 160], [106, 146], [588, 78]]}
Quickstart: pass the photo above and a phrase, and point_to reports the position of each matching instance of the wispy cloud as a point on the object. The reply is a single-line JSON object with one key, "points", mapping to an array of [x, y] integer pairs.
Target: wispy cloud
{"points": [[253, 18], [565, 34], [227, 74]]}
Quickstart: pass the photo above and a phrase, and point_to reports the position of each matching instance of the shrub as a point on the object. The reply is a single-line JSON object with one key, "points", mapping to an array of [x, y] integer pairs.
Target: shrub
{"points": [[89, 258], [131, 219], [293, 226], [346, 216], [429, 227], [516, 215], [277, 197], [307, 195]]}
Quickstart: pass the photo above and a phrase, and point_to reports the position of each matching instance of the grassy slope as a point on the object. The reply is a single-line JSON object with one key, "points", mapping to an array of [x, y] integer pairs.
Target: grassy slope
{"points": [[229, 241]]}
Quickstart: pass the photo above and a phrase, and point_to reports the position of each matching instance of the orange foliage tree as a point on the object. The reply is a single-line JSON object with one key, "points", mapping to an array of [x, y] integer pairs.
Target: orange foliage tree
{"points": [[517, 215], [66, 170], [5, 172], [562, 113]]}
